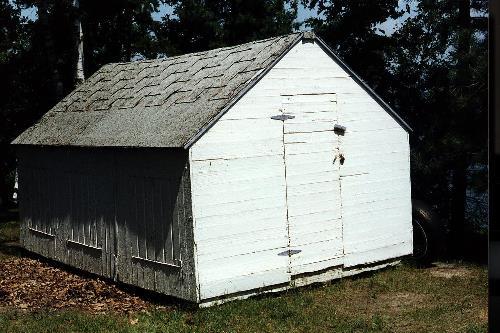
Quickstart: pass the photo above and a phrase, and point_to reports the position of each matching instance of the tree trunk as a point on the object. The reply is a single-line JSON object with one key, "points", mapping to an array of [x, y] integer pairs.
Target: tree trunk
{"points": [[56, 84], [458, 202], [459, 176], [79, 74], [4, 192]]}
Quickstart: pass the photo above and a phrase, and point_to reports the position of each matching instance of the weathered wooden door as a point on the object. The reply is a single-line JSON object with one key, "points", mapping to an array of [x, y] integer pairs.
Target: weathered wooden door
{"points": [[311, 150]]}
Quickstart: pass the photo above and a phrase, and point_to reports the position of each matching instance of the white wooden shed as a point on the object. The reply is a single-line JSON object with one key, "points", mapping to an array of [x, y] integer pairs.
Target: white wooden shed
{"points": [[220, 174]]}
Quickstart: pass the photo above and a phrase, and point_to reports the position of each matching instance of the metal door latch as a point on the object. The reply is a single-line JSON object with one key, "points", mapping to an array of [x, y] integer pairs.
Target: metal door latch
{"points": [[339, 129], [341, 158]]}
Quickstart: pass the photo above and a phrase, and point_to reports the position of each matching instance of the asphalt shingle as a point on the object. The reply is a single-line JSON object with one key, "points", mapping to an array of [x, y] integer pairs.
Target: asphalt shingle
{"points": [[155, 103]]}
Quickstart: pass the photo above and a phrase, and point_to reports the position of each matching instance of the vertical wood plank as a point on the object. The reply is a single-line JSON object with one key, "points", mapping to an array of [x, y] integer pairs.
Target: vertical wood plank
{"points": [[160, 225], [169, 221], [86, 210], [149, 222], [178, 212]]}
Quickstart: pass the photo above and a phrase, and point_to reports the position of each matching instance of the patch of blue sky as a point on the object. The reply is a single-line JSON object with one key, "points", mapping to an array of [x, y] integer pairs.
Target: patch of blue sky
{"points": [[28, 13], [391, 25]]}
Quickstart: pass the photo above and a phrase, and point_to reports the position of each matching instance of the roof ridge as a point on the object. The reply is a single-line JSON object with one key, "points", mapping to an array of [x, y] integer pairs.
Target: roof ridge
{"points": [[160, 60]]}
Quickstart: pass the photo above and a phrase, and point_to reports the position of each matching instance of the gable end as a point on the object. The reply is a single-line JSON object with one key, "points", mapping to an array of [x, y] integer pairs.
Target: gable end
{"points": [[306, 37]]}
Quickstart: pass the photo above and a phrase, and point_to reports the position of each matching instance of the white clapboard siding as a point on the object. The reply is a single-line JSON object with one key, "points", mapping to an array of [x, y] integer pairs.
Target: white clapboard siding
{"points": [[259, 279], [261, 186], [376, 199], [238, 193], [227, 267], [386, 251]]}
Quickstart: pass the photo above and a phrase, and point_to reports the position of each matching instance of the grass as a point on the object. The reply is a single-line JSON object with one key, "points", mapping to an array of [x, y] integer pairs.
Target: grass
{"points": [[401, 299]]}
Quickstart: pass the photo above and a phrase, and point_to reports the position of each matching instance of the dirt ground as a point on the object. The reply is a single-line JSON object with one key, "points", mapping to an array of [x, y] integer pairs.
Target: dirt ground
{"points": [[27, 283]]}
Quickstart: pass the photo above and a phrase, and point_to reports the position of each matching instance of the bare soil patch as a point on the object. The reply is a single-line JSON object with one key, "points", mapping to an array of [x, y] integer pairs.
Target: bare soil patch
{"points": [[449, 271], [395, 302], [29, 284]]}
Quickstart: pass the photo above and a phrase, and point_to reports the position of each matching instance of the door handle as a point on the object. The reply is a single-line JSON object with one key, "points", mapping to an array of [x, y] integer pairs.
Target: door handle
{"points": [[341, 158]]}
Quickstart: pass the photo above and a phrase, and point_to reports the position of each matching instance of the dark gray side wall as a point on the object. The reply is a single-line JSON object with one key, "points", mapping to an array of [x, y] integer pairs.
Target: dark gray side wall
{"points": [[120, 213]]}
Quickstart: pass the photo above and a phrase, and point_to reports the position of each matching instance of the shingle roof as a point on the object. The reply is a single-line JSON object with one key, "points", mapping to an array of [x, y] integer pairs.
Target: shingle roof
{"points": [[156, 103], [164, 103]]}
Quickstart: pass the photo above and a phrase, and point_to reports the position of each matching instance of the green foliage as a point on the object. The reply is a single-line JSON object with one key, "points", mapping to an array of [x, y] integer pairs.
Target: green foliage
{"points": [[55, 322], [16, 69], [9, 237], [445, 52], [117, 31], [433, 71], [11, 32], [198, 25], [349, 27], [9, 231], [38, 58]]}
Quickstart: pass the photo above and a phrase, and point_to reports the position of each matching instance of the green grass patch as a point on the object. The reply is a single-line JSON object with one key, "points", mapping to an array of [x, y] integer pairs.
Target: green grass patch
{"points": [[400, 299], [61, 321]]}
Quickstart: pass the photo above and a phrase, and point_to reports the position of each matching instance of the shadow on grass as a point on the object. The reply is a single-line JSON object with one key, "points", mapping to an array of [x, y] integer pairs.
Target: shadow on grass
{"points": [[9, 234], [8, 215]]}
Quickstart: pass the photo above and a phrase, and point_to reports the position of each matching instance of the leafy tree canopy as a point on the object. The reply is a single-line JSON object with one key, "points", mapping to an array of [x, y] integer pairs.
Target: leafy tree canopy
{"points": [[204, 24]]}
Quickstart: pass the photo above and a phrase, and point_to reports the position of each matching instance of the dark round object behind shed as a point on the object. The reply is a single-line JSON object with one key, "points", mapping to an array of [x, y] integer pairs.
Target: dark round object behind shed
{"points": [[426, 232]]}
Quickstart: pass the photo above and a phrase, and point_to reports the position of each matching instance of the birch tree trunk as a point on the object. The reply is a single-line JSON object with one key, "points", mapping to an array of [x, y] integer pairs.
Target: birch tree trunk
{"points": [[79, 74]]}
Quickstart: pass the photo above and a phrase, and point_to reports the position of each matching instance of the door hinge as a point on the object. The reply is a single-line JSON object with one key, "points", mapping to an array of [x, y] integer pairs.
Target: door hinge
{"points": [[289, 252], [282, 117]]}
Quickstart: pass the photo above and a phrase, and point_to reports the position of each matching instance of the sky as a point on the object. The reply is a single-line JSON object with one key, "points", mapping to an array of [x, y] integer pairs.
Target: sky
{"points": [[391, 25]]}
